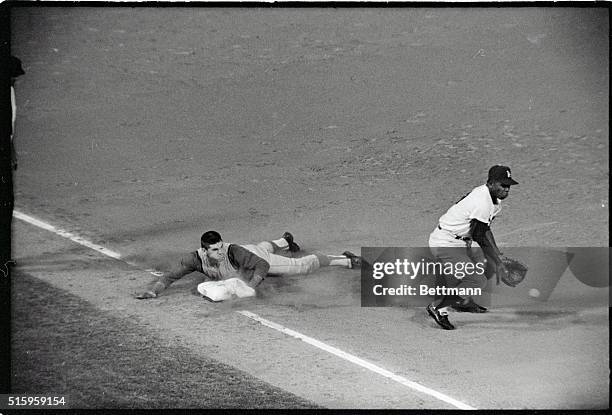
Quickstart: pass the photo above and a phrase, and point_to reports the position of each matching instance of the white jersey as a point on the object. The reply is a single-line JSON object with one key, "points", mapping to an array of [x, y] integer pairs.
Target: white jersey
{"points": [[477, 204]]}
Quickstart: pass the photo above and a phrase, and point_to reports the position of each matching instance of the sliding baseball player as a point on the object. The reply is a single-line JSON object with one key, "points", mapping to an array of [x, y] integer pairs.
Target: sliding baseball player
{"points": [[237, 269]]}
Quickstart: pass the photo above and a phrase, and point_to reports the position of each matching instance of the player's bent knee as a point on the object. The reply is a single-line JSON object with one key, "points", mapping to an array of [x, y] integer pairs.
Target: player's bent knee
{"points": [[480, 281], [267, 246]]}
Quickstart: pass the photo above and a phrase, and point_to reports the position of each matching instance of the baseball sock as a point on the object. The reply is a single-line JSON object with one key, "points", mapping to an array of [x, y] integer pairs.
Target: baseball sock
{"points": [[339, 261], [282, 244], [333, 260]]}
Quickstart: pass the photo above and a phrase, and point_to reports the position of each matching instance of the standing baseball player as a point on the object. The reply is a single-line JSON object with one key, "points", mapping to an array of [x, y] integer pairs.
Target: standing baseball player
{"points": [[8, 162], [246, 264], [16, 71], [463, 235]]}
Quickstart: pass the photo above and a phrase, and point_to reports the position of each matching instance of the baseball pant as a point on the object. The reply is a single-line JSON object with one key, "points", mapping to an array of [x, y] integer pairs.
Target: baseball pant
{"points": [[449, 250], [283, 265]]}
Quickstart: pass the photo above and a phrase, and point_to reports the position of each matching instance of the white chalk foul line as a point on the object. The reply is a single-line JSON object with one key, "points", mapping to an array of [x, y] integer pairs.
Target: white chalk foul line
{"points": [[69, 235], [314, 342], [356, 360], [76, 238]]}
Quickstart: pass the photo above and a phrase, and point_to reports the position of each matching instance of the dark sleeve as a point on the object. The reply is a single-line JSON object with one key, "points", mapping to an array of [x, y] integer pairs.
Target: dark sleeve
{"points": [[481, 233], [189, 263], [242, 258]]}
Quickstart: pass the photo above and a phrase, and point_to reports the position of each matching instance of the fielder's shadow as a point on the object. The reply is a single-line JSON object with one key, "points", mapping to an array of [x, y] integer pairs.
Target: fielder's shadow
{"points": [[515, 319]]}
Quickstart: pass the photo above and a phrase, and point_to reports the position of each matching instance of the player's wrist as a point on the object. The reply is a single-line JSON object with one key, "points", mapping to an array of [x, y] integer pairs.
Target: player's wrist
{"points": [[255, 281], [158, 287]]}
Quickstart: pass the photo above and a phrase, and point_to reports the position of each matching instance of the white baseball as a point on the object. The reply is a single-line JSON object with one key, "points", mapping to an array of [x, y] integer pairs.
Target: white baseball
{"points": [[534, 292]]}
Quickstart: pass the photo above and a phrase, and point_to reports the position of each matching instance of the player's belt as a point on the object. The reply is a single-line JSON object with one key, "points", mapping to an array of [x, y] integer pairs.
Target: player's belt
{"points": [[463, 238]]}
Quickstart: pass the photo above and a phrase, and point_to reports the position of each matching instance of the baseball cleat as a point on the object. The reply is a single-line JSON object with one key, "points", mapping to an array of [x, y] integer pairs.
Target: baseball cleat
{"points": [[441, 319], [470, 307], [293, 247], [356, 261]]}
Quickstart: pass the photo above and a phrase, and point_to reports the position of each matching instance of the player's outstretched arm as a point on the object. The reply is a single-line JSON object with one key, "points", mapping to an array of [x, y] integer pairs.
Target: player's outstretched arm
{"points": [[186, 266], [481, 233]]}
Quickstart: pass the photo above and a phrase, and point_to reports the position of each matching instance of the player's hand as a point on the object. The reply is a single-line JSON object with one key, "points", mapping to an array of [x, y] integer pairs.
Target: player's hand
{"points": [[502, 272], [145, 295]]}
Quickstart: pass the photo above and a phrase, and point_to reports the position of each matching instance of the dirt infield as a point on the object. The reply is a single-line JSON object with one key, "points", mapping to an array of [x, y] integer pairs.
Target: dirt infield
{"points": [[140, 128], [105, 362]]}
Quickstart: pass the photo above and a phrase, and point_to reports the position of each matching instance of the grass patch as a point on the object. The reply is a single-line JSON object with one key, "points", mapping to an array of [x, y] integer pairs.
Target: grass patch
{"points": [[62, 345]]}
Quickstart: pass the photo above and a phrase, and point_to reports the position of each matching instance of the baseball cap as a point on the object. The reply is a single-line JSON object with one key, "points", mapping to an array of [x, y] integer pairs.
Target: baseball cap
{"points": [[501, 174]]}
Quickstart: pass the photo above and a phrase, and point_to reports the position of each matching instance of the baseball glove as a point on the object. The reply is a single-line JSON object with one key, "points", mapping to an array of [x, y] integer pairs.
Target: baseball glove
{"points": [[516, 271]]}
